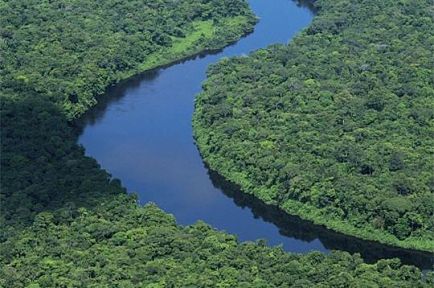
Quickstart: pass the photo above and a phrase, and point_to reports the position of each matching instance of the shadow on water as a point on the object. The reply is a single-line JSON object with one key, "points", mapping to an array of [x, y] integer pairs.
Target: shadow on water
{"points": [[141, 132], [118, 90], [295, 227], [112, 95], [115, 92], [309, 4]]}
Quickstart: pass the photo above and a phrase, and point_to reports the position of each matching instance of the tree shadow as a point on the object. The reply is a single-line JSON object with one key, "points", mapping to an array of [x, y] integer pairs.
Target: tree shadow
{"points": [[117, 91], [42, 167], [309, 4], [295, 227]]}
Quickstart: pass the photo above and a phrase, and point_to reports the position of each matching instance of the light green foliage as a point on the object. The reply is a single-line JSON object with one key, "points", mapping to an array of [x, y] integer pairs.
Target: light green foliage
{"points": [[57, 56], [337, 126], [65, 222], [71, 51], [120, 244]]}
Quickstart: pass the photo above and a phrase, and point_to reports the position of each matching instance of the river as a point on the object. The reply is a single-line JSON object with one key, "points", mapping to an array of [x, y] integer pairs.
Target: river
{"points": [[141, 133]]}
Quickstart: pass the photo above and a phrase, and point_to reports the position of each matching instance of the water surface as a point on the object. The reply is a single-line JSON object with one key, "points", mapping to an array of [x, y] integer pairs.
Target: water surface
{"points": [[141, 133]]}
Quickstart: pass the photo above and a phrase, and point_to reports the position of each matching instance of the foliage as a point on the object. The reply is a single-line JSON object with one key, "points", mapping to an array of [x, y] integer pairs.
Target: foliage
{"points": [[337, 126], [71, 51], [64, 221], [42, 167], [120, 244], [56, 57]]}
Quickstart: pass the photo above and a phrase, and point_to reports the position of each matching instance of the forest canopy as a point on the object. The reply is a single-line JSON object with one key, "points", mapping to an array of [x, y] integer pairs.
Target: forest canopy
{"points": [[64, 221], [123, 245], [70, 51], [337, 126], [58, 56]]}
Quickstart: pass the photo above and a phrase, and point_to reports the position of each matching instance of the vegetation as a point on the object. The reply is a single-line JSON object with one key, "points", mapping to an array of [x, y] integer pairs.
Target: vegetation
{"points": [[64, 222], [337, 126], [56, 58], [70, 225], [120, 244], [70, 51], [42, 166]]}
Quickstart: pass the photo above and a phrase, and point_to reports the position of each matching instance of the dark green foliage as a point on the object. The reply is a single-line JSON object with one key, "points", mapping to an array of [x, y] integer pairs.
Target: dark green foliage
{"points": [[42, 167], [56, 57], [64, 222], [120, 244], [336, 127], [71, 51]]}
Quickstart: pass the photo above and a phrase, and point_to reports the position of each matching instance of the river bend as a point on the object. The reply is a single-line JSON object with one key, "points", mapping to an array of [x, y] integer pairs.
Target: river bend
{"points": [[141, 133]]}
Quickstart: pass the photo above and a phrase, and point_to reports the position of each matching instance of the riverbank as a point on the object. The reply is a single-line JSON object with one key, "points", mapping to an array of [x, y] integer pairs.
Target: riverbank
{"points": [[67, 222], [326, 141], [69, 87], [203, 37]]}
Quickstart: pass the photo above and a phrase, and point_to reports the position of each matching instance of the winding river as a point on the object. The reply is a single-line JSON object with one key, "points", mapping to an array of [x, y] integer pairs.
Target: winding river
{"points": [[141, 133]]}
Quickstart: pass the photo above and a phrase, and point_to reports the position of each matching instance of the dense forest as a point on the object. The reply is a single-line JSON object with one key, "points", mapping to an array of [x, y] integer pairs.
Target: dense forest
{"points": [[65, 222], [336, 127], [70, 51], [120, 244], [58, 56]]}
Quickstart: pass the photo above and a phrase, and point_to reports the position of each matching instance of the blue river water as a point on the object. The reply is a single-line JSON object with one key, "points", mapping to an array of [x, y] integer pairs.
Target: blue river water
{"points": [[141, 133]]}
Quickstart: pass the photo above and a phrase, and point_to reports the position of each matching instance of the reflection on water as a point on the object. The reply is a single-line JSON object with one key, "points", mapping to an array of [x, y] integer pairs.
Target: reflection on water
{"points": [[113, 95], [295, 227], [118, 90], [141, 133]]}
